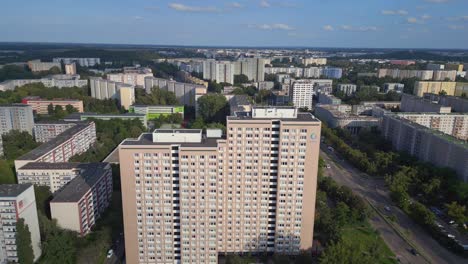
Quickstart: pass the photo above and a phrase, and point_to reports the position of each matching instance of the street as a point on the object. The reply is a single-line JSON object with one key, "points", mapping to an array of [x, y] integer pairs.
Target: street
{"points": [[375, 192], [118, 247]]}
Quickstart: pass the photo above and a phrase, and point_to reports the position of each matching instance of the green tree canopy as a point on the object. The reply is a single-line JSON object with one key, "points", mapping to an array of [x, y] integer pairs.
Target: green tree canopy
{"points": [[156, 97], [213, 108], [23, 243]]}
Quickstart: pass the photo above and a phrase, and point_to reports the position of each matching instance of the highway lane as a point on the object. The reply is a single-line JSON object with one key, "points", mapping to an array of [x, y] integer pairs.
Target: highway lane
{"points": [[374, 190]]}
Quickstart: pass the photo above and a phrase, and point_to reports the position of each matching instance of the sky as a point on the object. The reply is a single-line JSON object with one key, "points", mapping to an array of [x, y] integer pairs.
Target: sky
{"points": [[305, 23]]}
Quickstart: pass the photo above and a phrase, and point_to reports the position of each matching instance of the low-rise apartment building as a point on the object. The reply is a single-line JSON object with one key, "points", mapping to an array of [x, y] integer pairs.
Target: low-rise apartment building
{"points": [[87, 116], [334, 116], [107, 89], [38, 65], [346, 88], [45, 131], [50, 81], [41, 106], [83, 62], [155, 111], [185, 92], [82, 201], [17, 201], [75, 140]]}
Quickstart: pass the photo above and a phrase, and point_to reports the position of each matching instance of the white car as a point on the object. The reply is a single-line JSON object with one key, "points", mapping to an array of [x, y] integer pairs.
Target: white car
{"points": [[451, 236], [328, 166], [110, 253]]}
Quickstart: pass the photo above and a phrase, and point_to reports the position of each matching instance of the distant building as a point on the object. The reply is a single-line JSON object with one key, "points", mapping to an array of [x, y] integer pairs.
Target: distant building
{"points": [[87, 116], [155, 111], [281, 77], [411, 103], [1, 147], [17, 201], [70, 68], [253, 68], [426, 144], [314, 61], [402, 62], [450, 88], [219, 71], [75, 140], [458, 104], [435, 67], [38, 66], [40, 106], [333, 73], [131, 76], [265, 85], [424, 75], [347, 88], [328, 99], [185, 92], [16, 117], [229, 89], [302, 91], [45, 131], [83, 62], [397, 87], [336, 116], [84, 199], [57, 80], [105, 89]]}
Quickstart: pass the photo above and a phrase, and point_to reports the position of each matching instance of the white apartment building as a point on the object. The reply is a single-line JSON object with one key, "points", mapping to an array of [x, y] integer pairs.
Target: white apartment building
{"points": [[131, 76], [16, 117], [17, 201], [303, 91], [346, 88], [83, 62], [107, 89], [75, 140], [60, 81], [253, 68], [219, 71], [48, 130]]}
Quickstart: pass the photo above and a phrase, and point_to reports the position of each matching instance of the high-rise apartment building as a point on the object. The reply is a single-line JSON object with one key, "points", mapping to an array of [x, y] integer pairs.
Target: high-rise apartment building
{"points": [[70, 68], [303, 91], [107, 89], [450, 88], [219, 71], [16, 117], [132, 76], [253, 68], [189, 196], [17, 201], [186, 93], [83, 62], [346, 88]]}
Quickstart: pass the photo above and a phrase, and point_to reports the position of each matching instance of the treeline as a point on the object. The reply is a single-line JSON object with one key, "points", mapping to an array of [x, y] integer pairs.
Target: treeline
{"points": [[110, 133], [157, 96], [341, 224], [90, 104], [12, 72], [407, 179]]}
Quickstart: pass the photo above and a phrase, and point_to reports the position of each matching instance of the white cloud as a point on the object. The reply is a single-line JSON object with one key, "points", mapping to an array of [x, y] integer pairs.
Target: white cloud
{"points": [[186, 8], [277, 26], [456, 27], [235, 5], [400, 12], [328, 28], [265, 4], [360, 29]]}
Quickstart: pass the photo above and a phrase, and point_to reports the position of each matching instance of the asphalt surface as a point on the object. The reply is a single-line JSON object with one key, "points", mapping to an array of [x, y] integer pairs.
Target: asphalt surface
{"points": [[374, 191], [119, 249]]}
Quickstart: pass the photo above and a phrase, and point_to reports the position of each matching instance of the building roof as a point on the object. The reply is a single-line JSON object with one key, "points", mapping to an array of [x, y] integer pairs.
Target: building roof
{"points": [[50, 166], [147, 139], [81, 184], [301, 117], [13, 190], [52, 144]]}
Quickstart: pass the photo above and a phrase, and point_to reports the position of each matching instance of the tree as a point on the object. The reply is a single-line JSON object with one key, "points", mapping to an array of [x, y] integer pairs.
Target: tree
{"points": [[241, 78], [213, 108], [7, 176], [16, 143], [156, 97], [457, 212], [214, 87], [50, 109], [70, 109], [60, 247], [24, 243]]}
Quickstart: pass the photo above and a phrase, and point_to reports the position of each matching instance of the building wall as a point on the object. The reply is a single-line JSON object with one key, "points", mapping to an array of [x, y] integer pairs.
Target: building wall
{"points": [[411, 103], [420, 88], [41, 106], [18, 117], [68, 215], [55, 179], [44, 132]]}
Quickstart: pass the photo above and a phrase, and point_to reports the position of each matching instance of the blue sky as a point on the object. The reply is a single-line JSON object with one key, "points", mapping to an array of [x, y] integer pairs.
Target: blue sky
{"points": [[314, 23]]}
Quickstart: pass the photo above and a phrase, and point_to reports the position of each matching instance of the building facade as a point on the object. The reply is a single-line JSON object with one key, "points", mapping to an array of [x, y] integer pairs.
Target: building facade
{"points": [[70, 68], [426, 144], [253, 68], [75, 140], [106, 89], [40, 106], [411, 103], [83, 62], [16, 117], [47, 130], [185, 92], [219, 71], [84, 199], [397, 87], [303, 91], [188, 197], [131, 76], [38, 66], [50, 81], [17, 201], [346, 88]]}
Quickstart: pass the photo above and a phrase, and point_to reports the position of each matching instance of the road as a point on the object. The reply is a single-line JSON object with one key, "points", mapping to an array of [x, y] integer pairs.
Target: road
{"points": [[374, 190], [119, 249]]}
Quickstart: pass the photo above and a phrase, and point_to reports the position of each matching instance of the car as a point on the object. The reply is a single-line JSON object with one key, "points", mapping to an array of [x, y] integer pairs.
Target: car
{"points": [[110, 253], [451, 222], [439, 225], [414, 252], [451, 236], [387, 208], [328, 166]]}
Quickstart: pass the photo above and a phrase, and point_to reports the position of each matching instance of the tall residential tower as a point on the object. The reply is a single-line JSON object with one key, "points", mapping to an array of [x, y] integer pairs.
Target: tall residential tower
{"points": [[189, 196]]}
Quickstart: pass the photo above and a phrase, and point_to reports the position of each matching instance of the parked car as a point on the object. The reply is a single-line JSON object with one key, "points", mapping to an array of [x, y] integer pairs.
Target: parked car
{"points": [[110, 253], [451, 236], [387, 208], [414, 252], [328, 166]]}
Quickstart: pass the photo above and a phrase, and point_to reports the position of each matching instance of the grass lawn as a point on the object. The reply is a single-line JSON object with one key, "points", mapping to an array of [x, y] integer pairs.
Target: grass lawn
{"points": [[369, 239]]}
